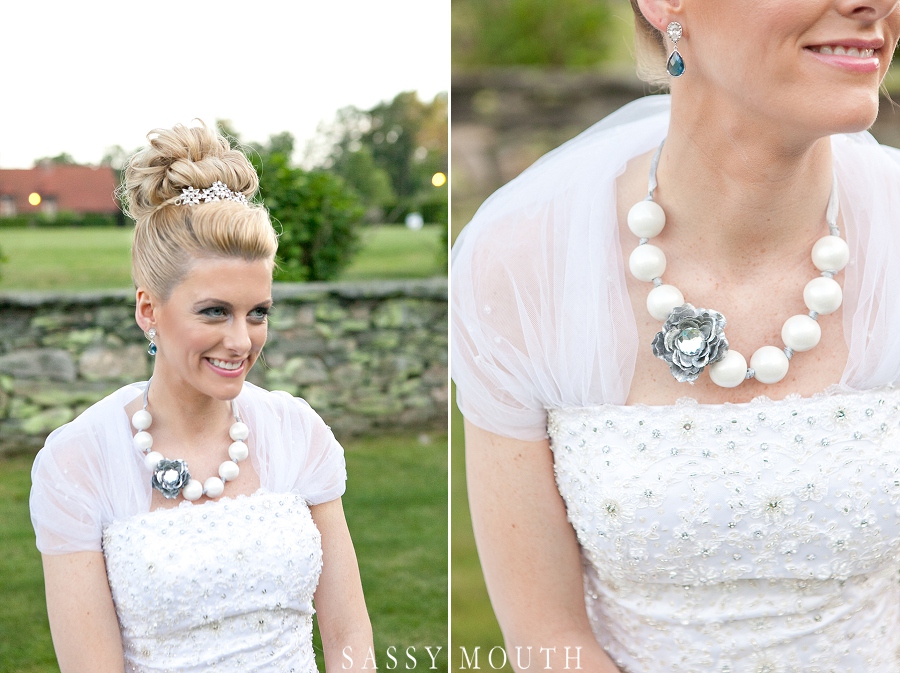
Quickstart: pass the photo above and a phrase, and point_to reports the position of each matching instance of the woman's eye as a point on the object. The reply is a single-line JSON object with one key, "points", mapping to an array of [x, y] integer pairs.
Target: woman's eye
{"points": [[214, 312], [259, 313]]}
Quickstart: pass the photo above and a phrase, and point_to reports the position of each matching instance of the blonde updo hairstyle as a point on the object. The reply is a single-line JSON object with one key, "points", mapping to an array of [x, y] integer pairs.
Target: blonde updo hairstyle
{"points": [[168, 236], [650, 50]]}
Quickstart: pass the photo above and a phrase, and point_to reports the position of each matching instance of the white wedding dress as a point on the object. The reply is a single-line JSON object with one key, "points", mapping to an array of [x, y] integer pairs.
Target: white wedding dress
{"points": [[737, 538], [224, 585], [227, 585], [757, 538]]}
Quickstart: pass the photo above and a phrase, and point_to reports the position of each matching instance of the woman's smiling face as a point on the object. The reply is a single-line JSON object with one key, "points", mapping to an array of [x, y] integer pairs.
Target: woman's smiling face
{"points": [[213, 326], [813, 64]]}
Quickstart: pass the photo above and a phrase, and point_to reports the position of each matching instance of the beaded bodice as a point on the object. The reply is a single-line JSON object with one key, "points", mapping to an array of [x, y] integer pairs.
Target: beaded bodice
{"points": [[760, 537], [226, 585]]}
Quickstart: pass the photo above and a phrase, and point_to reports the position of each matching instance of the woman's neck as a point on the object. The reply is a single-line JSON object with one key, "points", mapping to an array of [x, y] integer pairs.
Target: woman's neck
{"points": [[733, 185], [183, 409]]}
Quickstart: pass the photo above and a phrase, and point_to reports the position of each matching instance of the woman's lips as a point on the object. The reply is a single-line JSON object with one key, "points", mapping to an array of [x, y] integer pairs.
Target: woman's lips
{"points": [[227, 368], [852, 58], [841, 50]]}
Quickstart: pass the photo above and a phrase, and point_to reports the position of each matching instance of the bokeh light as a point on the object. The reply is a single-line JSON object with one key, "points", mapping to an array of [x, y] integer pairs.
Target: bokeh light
{"points": [[438, 179], [34, 199]]}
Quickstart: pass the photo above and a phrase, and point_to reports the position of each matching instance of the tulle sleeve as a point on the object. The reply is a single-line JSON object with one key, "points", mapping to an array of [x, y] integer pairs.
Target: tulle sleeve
{"points": [[65, 503], [540, 315], [497, 378], [87, 475], [301, 453], [868, 177]]}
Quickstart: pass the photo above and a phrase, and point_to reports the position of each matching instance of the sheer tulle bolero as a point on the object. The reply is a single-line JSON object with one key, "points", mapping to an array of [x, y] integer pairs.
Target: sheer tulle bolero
{"points": [[89, 472], [541, 318]]}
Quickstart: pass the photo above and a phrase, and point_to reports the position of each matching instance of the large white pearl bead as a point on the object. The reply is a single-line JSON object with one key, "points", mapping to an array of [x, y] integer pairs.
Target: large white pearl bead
{"points": [[238, 451], [152, 459], [662, 299], [770, 364], [830, 253], [141, 419], [823, 295], [192, 490], [730, 371], [801, 333], [213, 487], [229, 471], [647, 262], [239, 431], [646, 219], [143, 440]]}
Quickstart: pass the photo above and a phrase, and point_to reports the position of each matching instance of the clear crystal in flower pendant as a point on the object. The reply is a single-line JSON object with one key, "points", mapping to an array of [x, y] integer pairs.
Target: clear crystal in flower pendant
{"points": [[690, 341]]}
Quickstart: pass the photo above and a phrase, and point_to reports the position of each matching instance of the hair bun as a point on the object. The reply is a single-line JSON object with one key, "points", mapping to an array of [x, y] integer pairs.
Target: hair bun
{"points": [[181, 157]]}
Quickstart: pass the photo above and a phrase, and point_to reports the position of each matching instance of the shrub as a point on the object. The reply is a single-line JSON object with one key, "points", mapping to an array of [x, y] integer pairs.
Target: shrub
{"points": [[319, 218], [64, 219]]}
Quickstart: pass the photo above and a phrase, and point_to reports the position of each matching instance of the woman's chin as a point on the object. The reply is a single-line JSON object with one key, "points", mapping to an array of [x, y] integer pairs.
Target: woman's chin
{"points": [[224, 385], [852, 112]]}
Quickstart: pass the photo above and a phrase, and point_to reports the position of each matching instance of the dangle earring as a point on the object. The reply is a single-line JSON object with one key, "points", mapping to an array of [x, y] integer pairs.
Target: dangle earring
{"points": [[151, 334], [675, 64]]}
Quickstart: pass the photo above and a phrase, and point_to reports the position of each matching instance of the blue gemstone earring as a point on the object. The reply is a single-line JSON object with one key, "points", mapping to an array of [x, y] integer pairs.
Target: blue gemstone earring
{"points": [[151, 334], [675, 64]]}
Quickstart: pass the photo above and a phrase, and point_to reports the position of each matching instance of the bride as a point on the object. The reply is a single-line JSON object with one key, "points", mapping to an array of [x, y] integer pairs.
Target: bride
{"points": [[191, 522], [741, 236]]}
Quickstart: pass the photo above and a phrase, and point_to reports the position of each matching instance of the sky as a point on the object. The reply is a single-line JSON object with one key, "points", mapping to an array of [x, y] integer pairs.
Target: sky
{"points": [[80, 77]]}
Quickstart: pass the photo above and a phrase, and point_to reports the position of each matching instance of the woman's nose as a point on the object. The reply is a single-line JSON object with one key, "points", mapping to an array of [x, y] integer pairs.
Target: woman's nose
{"points": [[238, 339], [868, 10]]}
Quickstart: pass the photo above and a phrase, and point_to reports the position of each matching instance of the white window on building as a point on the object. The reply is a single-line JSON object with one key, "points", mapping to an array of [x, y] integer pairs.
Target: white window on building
{"points": [[7, 206], [49, 206]]}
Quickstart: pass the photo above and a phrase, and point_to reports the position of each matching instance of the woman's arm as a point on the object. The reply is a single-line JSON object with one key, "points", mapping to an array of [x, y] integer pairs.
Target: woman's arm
{"points": [[83, 619], [340, 605], [529, 552]]}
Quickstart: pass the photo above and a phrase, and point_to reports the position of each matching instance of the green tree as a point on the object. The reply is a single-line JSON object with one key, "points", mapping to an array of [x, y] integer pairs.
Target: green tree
{"points": [[372, 183], [61, 159], [318, 214], [556, 33], [402, 141]]}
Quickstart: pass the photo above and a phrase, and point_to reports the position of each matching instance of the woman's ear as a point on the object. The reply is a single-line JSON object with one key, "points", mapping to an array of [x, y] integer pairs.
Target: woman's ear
{"points": [[661, 12], [145, 309]]}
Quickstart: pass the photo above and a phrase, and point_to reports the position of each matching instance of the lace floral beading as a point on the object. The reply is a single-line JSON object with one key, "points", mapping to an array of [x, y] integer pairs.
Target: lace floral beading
{"points": [[225, 585], [759, 537]]}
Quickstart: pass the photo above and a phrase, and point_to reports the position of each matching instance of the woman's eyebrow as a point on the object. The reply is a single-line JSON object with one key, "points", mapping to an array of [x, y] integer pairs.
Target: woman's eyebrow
{"points": [[213, 300]]}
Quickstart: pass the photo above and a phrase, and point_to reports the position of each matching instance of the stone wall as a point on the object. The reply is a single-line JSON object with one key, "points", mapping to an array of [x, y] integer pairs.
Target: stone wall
{"points": [[506, 119], [366, 356]]}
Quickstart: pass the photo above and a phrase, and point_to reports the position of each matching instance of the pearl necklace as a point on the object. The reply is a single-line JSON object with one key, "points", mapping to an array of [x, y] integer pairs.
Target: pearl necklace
{"points": [[693, 338], [171, 477]]}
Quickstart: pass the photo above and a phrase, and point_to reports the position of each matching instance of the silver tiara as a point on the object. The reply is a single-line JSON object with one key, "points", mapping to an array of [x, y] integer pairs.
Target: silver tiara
{"points": [[218, 192]]}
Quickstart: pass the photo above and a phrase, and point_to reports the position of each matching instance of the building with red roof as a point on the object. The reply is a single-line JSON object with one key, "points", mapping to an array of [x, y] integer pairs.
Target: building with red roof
{"points": [[52, 188]]}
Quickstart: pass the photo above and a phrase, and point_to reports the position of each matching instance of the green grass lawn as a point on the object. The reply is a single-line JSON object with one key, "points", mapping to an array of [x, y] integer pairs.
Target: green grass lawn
{"points": [[87, 258], [391, 251], [65, 258], [396, 505]]}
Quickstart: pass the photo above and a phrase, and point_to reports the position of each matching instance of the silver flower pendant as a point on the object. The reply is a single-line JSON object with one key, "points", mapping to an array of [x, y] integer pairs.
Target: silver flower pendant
{"points": [[690, 340], [169, 477]]}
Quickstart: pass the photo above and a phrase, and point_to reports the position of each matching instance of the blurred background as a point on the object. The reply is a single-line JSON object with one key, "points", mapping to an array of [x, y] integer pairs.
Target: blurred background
{"points": [[342, 107], [527, 75]]}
